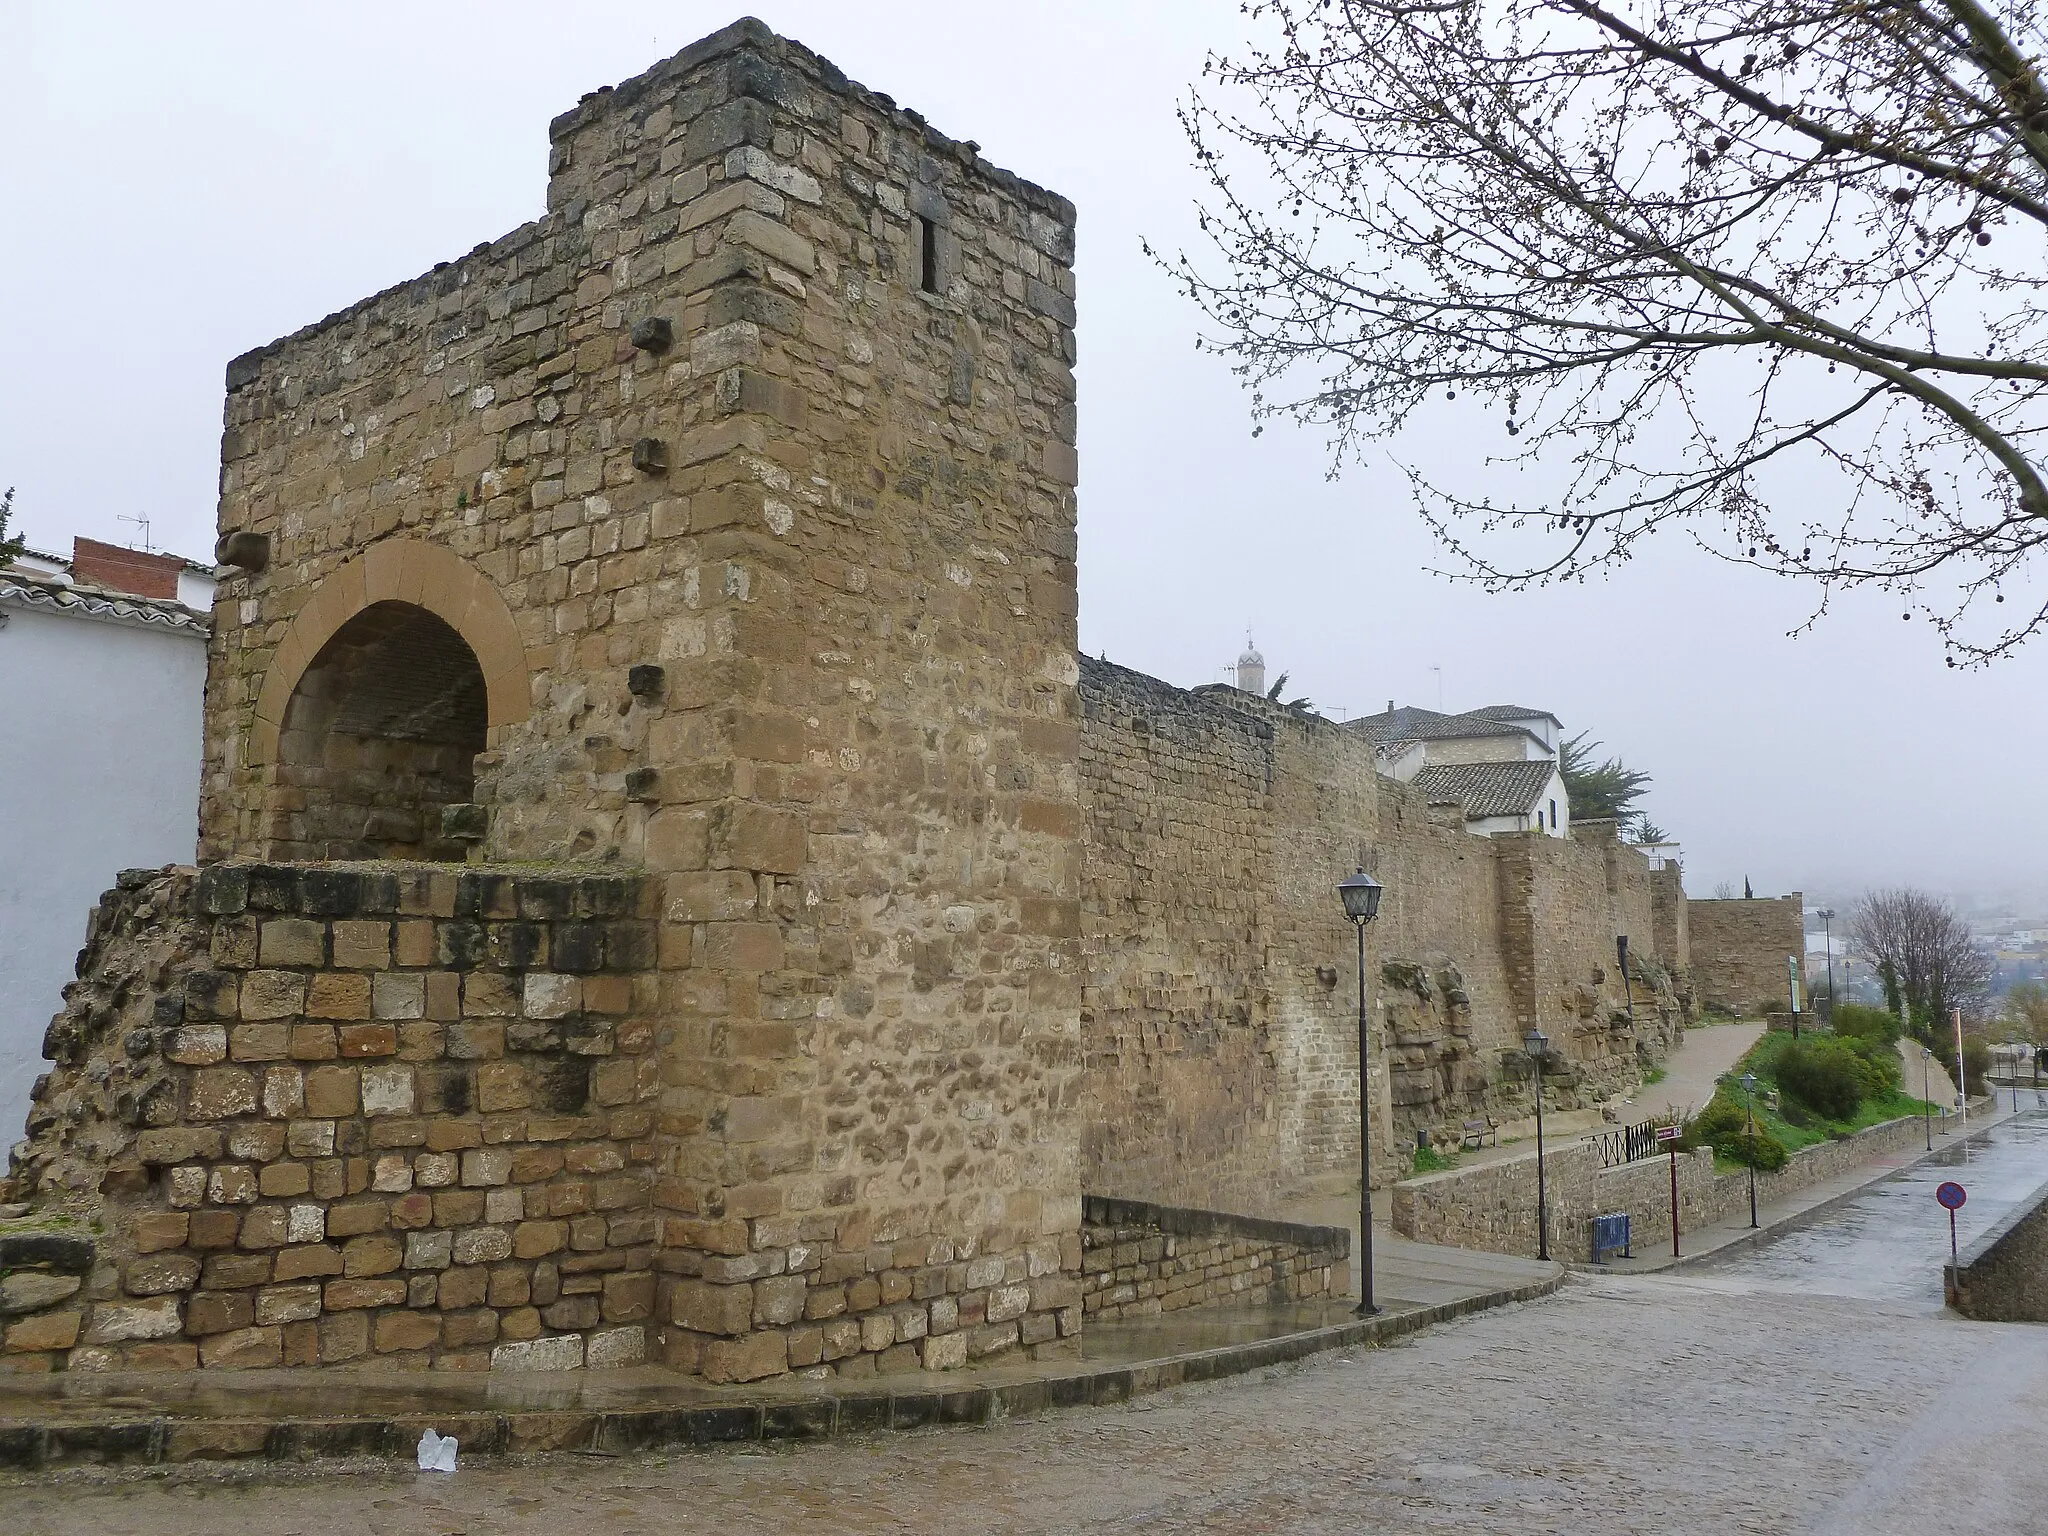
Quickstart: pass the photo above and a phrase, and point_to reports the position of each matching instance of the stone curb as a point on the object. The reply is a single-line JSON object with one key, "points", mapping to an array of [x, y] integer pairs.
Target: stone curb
{"points": [[33, 1447]]}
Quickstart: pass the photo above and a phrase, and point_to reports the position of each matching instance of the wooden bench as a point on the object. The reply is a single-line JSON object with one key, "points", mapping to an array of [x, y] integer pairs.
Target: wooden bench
{"points": [[1477, 1132]]}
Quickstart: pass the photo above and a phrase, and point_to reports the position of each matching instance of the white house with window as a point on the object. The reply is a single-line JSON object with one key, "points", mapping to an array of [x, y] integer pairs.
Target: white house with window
{"points": [[1500, 763]]}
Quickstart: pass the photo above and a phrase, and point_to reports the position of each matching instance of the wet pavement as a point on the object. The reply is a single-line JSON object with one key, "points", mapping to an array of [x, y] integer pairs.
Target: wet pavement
{"points": [[1810, 1384], [1889, 1242]]}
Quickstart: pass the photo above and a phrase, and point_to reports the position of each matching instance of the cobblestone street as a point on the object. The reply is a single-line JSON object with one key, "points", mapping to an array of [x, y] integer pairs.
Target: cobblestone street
{"points": [[1742, 1397]]}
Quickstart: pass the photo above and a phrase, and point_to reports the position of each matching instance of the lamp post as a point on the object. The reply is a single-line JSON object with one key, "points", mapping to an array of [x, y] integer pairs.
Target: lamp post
{"points": [[1536, 1043], [2014, 1047], [1827, 928], [1926, 1094], [1621, 957], [1749, 1120], [1361, 897]]}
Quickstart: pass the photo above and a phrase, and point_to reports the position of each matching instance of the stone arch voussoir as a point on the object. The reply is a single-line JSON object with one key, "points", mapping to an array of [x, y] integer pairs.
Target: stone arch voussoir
{"points": [[404, 571]]}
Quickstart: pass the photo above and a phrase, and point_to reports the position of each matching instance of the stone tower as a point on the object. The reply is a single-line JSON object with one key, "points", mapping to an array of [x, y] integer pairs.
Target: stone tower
{"points": [[676, 597], [1251, 669]]}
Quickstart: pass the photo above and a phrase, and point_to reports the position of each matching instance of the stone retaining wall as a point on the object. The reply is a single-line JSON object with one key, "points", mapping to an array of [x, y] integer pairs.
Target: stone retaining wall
{"points": [[2003, 1276], [1139, 1260], [1492, 1207]]}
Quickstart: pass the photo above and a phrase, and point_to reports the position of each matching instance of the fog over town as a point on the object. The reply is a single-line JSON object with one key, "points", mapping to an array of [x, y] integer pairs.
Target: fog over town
{"points": [[1845, 757]]}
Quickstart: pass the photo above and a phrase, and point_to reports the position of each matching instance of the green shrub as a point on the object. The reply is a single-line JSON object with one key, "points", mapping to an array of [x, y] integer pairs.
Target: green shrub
{"points": [[1861, 1021], [1723, 1126], [1882, 1069], [1976, 1064], [1429, 1160], [1826, 1075]]}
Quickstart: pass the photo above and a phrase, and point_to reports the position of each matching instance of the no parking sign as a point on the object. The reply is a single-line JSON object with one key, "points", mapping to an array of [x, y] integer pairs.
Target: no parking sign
{"points": [[1951, 1195]]}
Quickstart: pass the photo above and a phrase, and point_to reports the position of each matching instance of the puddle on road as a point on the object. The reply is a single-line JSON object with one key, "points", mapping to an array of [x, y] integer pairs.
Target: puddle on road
{"points": [[1888, 1243]]}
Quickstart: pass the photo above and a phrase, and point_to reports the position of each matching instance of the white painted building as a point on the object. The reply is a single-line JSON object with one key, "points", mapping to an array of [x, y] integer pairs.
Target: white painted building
{"points": [[100, 698], [1500, 763]]}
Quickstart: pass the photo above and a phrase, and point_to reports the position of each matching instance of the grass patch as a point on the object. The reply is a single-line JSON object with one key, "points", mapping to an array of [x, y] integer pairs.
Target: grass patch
{"points": [[1794, 1124], [1654, 1076], [1428, 1160]]}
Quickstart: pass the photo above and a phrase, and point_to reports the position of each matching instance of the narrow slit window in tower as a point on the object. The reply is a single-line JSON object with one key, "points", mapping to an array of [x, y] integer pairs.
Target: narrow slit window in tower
{"points": [[927, 254]]}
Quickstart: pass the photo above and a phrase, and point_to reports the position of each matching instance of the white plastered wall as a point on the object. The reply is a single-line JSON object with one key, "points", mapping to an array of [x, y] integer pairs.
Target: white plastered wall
{"points": [[99, 772]]}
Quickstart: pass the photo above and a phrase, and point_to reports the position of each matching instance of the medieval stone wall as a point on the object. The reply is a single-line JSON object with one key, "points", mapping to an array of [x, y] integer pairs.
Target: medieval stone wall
{"points": [[812, 947], [1739, 948], [747, 474], [1671, 928], [338, 1114], [1219, 1004]]}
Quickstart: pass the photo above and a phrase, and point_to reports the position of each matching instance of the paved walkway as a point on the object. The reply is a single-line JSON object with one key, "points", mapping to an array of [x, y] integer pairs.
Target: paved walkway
{"points": [[1704, 1053], [1748, 1397]]}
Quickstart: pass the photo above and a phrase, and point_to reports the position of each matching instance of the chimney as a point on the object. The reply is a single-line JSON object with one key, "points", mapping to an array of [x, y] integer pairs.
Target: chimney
{"points": [[134, 571]]}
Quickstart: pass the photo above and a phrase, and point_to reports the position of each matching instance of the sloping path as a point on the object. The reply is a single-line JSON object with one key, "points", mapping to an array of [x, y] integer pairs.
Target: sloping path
{"points": [[1703, 1054]]}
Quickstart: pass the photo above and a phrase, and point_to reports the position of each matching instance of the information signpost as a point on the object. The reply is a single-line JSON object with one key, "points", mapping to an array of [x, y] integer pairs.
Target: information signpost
{"points": [[1668, 1134]]}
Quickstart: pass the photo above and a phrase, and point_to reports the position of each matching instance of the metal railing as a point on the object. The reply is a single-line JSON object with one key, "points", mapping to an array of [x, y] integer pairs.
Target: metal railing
{"points": [[1627, 1144]]}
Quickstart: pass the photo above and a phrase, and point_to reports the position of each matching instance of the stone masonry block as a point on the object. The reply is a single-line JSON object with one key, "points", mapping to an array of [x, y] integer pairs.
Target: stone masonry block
{"points": [[705, 1308], [293, 941], [362, 945], [273, 994], [752, 1358]]}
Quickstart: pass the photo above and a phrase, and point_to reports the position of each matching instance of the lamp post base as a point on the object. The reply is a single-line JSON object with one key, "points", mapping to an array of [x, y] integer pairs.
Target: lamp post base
{"points": [[1365, 1309]]}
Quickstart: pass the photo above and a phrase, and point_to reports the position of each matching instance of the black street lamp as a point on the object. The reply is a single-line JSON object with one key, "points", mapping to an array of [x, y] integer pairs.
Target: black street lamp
{"points": [[1749, 1120], [1827, 928], [1536, 1043], [1361, 897]]}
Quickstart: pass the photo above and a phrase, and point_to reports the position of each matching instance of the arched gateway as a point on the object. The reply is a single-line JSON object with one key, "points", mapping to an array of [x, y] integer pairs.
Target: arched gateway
{"points": [[377, 702]]}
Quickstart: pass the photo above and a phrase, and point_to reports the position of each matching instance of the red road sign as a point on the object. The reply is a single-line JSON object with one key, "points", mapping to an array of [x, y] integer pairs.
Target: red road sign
{"points": [[1952, 1195], [1667, 1133]]}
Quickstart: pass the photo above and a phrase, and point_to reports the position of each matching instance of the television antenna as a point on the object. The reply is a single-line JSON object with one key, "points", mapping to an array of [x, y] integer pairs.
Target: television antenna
{"points": [[141, 523]]}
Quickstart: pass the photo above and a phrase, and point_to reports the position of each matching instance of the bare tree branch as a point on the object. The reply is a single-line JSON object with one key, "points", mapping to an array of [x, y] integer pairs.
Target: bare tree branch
{"points": [[1688, 260]]}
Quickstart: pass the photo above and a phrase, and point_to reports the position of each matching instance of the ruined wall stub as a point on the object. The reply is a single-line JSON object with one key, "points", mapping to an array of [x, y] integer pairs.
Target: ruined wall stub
{"points": [[746, 477], [1739, 947]]}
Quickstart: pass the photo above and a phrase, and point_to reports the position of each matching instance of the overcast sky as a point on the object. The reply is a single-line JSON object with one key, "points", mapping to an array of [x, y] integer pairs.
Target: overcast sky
{"points": [[186, 182]]}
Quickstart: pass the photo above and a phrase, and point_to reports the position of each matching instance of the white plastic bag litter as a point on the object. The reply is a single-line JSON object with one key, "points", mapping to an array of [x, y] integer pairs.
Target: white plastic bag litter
{"points": [[437, 1454]]}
